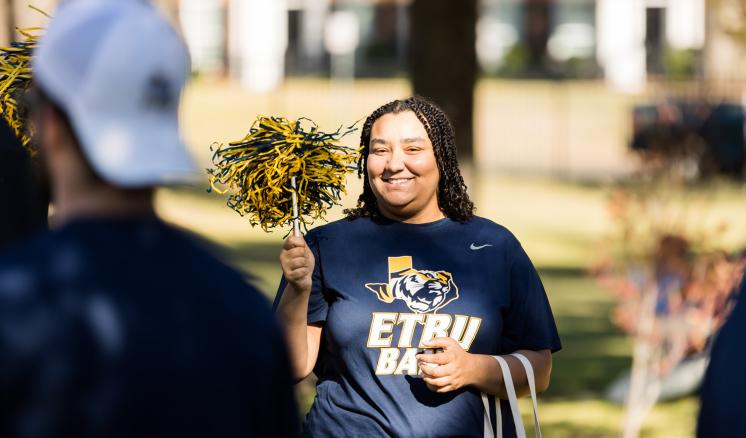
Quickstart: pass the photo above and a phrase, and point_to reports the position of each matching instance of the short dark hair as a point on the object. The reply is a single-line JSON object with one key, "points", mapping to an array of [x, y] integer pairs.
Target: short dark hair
{"points": [[34, 99], [453, 198]]}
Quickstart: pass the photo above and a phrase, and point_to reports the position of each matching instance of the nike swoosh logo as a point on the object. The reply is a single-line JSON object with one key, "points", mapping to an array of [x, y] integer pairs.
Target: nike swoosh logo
{"points": [[474, 247]]}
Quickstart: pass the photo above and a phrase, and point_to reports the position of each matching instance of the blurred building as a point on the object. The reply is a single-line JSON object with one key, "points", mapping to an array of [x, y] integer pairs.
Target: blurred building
{"points": [[625, 42], [585, 51]]}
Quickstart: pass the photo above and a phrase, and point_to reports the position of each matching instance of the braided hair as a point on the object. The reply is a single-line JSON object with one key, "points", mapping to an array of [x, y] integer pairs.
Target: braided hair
{"points": [[453, 199]]}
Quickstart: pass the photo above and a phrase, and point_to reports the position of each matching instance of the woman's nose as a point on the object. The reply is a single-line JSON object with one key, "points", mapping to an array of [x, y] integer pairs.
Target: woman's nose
{"points": [[395, 162]]}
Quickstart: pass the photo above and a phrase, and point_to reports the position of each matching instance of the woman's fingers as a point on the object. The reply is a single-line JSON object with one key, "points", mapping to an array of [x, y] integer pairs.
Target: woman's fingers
{"points": [[295, 253], [445, 343], [441, 389], [437, 358], [437, 382], [294, 242], [436, 371], [297, 262]]}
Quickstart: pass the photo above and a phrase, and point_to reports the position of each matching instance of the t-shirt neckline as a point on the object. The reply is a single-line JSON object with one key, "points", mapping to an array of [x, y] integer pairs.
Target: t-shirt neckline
{"points": [[410, 226]]}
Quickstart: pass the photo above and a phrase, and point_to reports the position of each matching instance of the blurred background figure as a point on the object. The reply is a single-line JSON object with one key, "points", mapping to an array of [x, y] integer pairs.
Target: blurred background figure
{"points": [[114, 323], [720, 415]]}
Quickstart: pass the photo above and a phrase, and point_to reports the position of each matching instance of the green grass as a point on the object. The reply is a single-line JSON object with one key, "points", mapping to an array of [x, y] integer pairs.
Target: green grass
{"points": [[561, 226], [593, 418], [593, 353]]}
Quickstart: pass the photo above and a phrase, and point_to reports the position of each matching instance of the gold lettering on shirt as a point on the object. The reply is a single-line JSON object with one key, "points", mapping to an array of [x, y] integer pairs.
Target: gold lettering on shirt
{"points": [[408, 322], [401, 359], [382, 324]]}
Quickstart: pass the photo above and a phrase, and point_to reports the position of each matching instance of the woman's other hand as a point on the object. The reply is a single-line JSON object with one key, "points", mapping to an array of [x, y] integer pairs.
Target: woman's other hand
{"points": [[449, 370]]}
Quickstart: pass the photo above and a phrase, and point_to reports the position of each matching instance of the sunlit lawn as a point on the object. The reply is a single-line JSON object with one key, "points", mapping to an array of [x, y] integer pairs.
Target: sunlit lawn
{"points": [[561, 226]]}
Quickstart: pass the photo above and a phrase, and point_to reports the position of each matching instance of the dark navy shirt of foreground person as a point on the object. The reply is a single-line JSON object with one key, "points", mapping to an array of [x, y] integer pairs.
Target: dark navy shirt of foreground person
{"points": [[722, 411], [382, 287], [126, 328]]}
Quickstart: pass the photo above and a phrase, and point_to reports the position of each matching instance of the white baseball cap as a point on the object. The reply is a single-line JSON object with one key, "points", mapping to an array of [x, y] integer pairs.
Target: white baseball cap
{"points": [[117, 68]]}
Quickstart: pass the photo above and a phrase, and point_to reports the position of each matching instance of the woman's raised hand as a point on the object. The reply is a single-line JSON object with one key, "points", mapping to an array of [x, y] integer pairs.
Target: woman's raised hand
{"points": [[297, 264]]}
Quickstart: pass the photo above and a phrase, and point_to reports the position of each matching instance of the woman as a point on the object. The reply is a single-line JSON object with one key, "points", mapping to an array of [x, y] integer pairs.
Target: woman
{"points": [[411, 267]]}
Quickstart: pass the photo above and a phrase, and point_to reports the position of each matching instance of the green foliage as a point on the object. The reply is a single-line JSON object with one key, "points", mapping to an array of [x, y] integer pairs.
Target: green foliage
{"points": [[515, 61], [680, 65]]}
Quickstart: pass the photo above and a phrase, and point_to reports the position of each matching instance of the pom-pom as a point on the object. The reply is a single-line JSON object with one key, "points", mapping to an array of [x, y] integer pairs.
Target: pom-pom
{"points": [[258, 170], [15, 79]]}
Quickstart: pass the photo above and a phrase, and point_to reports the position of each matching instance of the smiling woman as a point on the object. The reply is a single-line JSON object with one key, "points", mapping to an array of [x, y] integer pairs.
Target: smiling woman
{"points": [[411, 268], [431, 130], [402, 170]]}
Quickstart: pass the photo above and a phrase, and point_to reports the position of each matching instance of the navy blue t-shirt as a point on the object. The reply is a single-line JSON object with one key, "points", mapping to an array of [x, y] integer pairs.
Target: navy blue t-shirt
{"points": [[127, 328], [382, 287], [722, 392]]}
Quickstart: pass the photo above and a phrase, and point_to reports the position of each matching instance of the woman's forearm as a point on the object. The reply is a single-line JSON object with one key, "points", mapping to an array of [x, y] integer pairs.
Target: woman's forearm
{"points": [[487, 375], [292, 314]]}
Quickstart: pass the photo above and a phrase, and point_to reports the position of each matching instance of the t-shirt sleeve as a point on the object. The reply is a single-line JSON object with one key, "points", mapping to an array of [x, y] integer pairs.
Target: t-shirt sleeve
{"points": [[318, 306], [528, 322]]}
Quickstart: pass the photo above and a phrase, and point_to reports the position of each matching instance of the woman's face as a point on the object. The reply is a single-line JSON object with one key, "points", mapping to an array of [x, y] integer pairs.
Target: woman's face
{"points": [[402, 169]]}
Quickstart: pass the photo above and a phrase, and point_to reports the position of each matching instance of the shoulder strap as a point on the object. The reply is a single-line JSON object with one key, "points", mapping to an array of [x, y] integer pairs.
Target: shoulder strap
{"points": [[532, 387], [488, 431], [487, 422], [510, 390]]}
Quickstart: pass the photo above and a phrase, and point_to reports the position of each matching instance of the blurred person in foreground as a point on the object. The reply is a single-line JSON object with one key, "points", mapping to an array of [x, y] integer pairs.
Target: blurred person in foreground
{"points": [[721, 412], [412, 270], [114, 324], [23, 198]]}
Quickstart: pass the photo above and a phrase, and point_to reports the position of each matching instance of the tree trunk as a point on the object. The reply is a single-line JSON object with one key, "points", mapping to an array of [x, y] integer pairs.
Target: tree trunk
{"points": [[443, 62], [537, 19]]}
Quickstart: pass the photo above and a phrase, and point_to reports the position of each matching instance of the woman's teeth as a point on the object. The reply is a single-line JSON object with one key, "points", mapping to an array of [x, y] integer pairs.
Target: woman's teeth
{"points": [[397, 181]]}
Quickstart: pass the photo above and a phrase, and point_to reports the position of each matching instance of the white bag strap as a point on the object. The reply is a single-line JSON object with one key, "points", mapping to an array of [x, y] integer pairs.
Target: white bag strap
{"points": [[532, 387], [510, 390], [487, 422], [488, 433]]}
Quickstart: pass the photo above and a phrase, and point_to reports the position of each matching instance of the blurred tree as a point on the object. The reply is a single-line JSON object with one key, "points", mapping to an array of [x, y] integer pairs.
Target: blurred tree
{"points": [[731, 16], [537, 20], [444, 62]]}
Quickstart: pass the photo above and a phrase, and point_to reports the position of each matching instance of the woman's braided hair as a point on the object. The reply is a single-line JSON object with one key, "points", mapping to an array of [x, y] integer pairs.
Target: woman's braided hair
{"points": [[453, 199]]}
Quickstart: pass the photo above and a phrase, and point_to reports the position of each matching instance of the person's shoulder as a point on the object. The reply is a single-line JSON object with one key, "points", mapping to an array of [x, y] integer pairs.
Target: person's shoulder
{"points": [[339, 227], [25, 265], [488, 230], [233, 289], [30, 251], [206, 254]]}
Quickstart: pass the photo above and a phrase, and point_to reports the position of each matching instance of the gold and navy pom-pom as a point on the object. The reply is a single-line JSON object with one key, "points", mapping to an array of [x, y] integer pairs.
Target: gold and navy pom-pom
{"points": [[258, 169], [15, 79]]}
